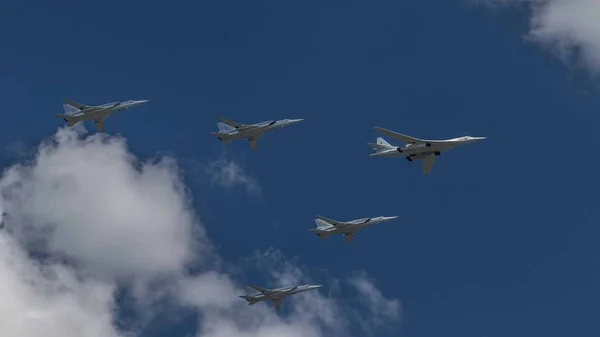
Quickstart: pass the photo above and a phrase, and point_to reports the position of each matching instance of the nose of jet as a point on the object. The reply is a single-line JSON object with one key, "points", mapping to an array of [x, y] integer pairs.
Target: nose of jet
{"points": [[294, 121], [141, 101], [386, 218]]}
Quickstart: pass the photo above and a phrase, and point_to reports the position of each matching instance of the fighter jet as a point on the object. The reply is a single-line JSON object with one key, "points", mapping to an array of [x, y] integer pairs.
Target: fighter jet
{"points": [[327, 227], [77, 112], [230, 130], [415, 148], [256, 294]]}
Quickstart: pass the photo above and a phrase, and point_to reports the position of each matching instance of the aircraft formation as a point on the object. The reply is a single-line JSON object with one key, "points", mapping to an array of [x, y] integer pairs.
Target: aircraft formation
{"points": [[414, 149]]}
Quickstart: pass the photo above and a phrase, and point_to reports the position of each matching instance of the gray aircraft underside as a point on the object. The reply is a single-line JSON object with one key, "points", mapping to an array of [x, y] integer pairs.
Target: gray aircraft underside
{"points": [[415, 148], [327, 227], [77, 112], [230, 130], [255, 294]]}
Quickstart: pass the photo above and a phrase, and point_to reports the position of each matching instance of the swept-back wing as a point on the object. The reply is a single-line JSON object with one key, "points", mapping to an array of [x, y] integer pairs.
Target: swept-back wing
{"points": [[348, 238], [232, 123], [99, 124], [399, 136], [428, 163], [253, 142], [75, 104], [329, 221], [257, 288], [276, 303]]}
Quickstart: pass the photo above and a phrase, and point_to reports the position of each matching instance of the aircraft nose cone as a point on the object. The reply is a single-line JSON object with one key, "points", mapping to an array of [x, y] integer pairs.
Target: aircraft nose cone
{"points": [[142, 101], [297, 120]]}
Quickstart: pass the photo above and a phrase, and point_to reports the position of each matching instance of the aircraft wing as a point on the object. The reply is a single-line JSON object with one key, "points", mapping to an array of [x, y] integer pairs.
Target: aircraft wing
{"points": [[348, 238], [253, 142], [329, 221], [428, 163], [232, 123], [403, 138], [99, 124], [276, 303], [257, 288], [75, 104]]}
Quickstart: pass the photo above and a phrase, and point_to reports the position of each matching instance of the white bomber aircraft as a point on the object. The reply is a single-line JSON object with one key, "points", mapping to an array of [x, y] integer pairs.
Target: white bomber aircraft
{"points": [[230, 130], [415, 148], [77, 112], [327, 227]]}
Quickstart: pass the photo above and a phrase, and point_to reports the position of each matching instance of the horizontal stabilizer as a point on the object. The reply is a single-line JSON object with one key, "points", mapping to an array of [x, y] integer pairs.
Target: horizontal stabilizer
{"points": [[68, 118]]}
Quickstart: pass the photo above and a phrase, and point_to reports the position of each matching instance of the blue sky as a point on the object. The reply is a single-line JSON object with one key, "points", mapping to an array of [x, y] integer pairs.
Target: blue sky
{"points": [[499, 240]]}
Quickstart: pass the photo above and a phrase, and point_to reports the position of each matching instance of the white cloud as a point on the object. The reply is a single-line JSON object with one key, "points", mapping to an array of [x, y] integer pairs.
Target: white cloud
{"points": [[48, 300], [227, 174], [90, 201], [569, 28], [380, 310], [85, 218]]}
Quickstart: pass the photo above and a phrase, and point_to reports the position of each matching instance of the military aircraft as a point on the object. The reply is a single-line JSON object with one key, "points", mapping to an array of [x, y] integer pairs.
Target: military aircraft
{"points": [[327, 227], [415, 148], [230, 130], [255, 294], [77, 112]]}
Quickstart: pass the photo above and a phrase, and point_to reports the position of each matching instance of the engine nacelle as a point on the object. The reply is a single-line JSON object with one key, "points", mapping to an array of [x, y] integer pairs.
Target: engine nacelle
{"points": [[419, 156]]}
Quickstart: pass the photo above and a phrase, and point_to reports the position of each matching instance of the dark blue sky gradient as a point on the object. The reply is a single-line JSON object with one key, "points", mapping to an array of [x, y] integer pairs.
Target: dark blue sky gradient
{"points": [[499, 240]]}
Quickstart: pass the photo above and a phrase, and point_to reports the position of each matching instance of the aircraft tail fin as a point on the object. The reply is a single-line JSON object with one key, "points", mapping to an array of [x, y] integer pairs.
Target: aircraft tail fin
{"points": [[224, 127], [68, 118], [381, 145], [381, 141], [322, 224], [70, 110]]}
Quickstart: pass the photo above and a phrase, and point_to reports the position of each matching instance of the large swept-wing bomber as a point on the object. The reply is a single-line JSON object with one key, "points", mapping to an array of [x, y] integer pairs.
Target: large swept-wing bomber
{"points": [[415, 148], [230, 130], [77, 112], [255, 294], [327, 227]]}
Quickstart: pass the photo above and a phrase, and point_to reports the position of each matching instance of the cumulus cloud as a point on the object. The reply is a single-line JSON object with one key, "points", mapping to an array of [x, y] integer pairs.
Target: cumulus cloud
{"points": [[48, 300], [568, 28], [90, 201], [85, 219]]}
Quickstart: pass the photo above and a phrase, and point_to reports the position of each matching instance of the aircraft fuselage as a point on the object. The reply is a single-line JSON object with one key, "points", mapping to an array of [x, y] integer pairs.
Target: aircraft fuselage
{"points": [[103, 111], [277, 294], [254, 131], [350, 227]]}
